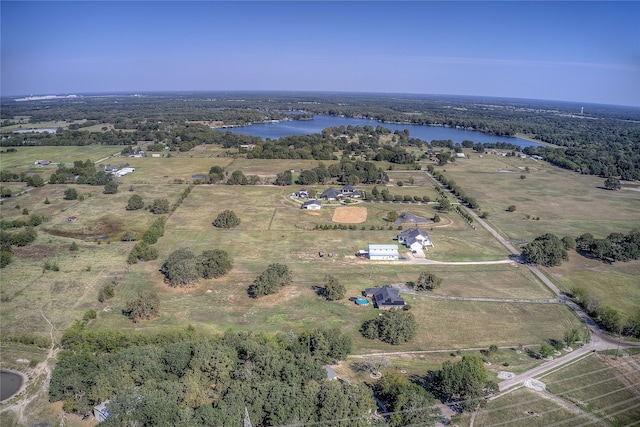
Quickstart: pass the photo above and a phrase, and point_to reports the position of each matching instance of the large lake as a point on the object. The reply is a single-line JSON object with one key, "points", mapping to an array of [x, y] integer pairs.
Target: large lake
{"points": [[321, 122]]}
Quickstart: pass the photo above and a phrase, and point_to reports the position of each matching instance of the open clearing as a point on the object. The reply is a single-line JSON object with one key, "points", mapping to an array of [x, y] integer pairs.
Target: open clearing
{"points": [[350, 215], [274, 229]]}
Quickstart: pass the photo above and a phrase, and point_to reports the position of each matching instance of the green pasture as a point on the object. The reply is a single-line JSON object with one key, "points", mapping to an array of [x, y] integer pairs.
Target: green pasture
{"points": [[525, 408], [23, 160], [566, 202], [273, 229], [598, 389], [615, 285]]}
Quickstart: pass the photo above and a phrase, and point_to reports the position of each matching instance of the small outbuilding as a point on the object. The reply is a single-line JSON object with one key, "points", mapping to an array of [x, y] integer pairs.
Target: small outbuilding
{"points": [[383, 252], [312, 205]]}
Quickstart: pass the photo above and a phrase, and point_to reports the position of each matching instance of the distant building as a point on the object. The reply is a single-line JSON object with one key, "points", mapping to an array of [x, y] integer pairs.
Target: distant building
{"points": [[312, 205], [383, 252], [385, 297], [415, 239]]}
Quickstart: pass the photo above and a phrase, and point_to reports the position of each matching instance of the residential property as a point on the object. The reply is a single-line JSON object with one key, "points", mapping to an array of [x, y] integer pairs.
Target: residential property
{"points": [[415, 239], [383, 252], [331, 194], [312, 205], [124, 171], [385, 297], [348, 191], [302, 193]]}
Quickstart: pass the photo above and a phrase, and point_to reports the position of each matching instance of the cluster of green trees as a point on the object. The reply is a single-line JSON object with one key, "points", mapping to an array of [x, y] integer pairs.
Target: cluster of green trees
{"points": [[135, 202], [28, 339], [142, 250], [393, 326], [427, 281], [308, 147], [386, 196], [333, 290], [270, 281], [614, 247], [166, 380], [33, 221], [31, 179], [547, 250], [464, 383], [13, 238], [409, 403], [80, 173], [455, 189], [144, 307], [607, 317], [183, 267], [226, 219]]}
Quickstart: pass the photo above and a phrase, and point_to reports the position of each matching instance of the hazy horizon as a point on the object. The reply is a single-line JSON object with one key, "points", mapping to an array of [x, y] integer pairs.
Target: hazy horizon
{"points": [[580, 52]]}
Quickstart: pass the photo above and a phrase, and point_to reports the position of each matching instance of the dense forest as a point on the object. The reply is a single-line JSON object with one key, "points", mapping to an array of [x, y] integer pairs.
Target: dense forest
{"points": [[599, 140], [184, 378]]}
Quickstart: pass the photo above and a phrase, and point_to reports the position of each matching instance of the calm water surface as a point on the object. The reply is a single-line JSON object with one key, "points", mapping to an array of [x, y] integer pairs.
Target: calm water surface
{"points": [[10, 383], [321, 122]]}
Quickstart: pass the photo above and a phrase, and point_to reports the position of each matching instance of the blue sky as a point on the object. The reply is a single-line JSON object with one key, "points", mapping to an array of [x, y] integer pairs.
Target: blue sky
{"points": [[572, 51]]}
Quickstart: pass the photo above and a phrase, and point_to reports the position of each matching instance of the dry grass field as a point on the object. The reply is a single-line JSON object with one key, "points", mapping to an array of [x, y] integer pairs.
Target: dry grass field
{"points": [[273, 229], [566, 203]]}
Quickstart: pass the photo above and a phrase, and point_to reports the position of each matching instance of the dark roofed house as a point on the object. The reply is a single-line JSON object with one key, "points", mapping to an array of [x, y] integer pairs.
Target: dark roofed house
{"points": [[331, 194], [385, 297]]}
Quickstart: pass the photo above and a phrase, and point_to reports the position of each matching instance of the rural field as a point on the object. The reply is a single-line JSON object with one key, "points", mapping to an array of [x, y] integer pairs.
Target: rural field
{"points": [[602, 387], [43, 303], [567, 204]]}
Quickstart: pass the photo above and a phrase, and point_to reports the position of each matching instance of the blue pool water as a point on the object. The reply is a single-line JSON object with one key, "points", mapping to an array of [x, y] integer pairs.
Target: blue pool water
{"points": [[362, 301]]}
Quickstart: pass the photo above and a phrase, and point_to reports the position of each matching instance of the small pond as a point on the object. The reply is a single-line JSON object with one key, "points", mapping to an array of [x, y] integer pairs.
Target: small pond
{"points": [[10, 384]]}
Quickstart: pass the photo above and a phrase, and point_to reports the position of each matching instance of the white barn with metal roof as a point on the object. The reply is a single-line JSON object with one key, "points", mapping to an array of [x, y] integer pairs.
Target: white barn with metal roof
{"points": [[383, 252]]}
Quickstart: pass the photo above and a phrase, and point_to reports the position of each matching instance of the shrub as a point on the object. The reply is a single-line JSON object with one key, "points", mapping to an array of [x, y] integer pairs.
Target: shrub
{"points": [[393, 327], [135, 203], [270, 281], [226, 219], [144, 307], [180, 269], [333, 289], [107, 292], [160, 206], [70, 194]]}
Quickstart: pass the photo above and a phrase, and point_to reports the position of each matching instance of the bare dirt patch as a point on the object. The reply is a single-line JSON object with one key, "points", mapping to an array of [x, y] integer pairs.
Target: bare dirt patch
{"points": [[350, 215], [37, 252]]}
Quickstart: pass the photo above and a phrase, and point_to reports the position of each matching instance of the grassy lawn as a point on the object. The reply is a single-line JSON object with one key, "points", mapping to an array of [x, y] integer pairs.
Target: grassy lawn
{"points": [[615, 285], [567, 203], [525, 408], [273, 229], [597, 388], [23, 159]]}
